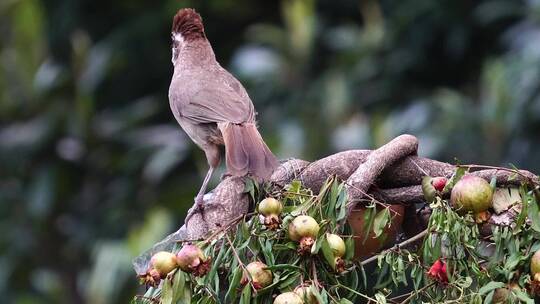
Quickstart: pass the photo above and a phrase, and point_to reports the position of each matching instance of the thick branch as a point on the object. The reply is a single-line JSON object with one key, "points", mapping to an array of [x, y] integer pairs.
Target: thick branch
{"points": [[358, 184], [397, 178]]}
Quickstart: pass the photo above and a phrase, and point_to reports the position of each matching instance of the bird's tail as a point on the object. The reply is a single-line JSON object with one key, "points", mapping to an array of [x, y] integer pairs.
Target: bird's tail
{"points": [[246, 152]]}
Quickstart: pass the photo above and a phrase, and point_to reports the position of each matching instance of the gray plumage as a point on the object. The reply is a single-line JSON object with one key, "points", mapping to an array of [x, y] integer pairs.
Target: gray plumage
{"points": [[212, 106]]}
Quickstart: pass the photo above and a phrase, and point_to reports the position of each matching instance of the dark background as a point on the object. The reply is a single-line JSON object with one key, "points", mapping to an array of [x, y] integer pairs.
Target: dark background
{"points": [[94, 168]]}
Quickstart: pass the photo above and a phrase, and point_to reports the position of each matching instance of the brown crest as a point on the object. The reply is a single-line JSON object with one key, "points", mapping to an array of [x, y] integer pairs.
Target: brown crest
{"points": [[188, 23]]}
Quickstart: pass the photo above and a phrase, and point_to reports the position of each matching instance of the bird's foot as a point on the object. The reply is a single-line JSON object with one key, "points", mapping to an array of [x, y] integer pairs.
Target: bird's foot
{"points": [[197, 208]]}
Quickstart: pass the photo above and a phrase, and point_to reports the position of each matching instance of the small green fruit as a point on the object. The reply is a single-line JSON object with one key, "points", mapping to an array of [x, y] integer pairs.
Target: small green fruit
{"points": [[260, 276], [303, 226], [163, 262], [337, 244], [270, 206]]}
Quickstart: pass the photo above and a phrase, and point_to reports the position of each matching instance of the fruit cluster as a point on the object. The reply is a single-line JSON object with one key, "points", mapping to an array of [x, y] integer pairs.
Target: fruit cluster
{"points": [[189, 259]]}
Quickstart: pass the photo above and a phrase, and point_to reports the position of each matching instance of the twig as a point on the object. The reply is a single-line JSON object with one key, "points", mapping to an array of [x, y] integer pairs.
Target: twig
{"points": [[402, 244], [315, 279], [153, 300], [516, 171], [373, 199], [419, 168], [413, 293], [224, 228], [248, 275], [357, 293]]}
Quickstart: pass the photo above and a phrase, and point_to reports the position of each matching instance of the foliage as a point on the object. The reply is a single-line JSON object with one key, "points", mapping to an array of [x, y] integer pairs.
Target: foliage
{"points": [[475, 265]]}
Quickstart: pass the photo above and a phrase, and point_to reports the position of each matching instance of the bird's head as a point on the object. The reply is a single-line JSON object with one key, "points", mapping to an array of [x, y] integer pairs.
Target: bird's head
{"points": [[187, 26]]}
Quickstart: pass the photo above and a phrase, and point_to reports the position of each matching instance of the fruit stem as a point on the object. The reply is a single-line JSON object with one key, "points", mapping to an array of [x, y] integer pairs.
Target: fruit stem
{"points": [[402, 244]]}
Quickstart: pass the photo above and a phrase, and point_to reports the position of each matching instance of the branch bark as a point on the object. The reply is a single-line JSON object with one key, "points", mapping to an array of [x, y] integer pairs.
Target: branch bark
{"points": [[391, 174]]}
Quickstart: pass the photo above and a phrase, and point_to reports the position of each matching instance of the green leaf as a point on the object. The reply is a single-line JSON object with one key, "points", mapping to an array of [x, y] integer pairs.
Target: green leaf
{"points": [[316, 246], [352, 283], [369, 218], [363, 274], [349, 248], [523, 296], [380, 222], [524, 210], [332, 200], [489, 297], [534, 214], [454, 179], [234, 284], [284, 267], [181, 289], [427, 188], [490, 286], [245, 298], [493, 182], [345, 301], [286, 246], [266, 248], [316, 293], [342, 213], [328, 253], [291, 281], [216, 263], [166, 292]]}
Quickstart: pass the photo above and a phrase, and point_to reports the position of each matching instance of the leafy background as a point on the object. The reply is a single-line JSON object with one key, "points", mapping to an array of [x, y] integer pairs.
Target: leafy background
{"points": [[94, 169]]}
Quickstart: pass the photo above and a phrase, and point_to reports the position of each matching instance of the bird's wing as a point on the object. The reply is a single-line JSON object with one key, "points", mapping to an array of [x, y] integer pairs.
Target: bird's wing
{"points": [[217, 101]]}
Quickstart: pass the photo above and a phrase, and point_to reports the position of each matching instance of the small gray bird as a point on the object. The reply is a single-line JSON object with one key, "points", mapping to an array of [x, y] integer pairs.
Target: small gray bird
{"points": [[212, 106]]}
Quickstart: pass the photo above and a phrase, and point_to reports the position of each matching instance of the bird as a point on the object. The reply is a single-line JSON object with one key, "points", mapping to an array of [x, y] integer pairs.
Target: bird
{"points": [[213, 107]]}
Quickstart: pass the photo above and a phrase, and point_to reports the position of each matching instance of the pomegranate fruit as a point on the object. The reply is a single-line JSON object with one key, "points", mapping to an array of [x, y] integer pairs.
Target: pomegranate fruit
{"points": [[337, 246], [336, 243], [439, 183], [535, 266], [471, 194], [304, 229], [270, 209], [288, 298], [163, 262], [191, 259], [260, 276], [305, 293]]}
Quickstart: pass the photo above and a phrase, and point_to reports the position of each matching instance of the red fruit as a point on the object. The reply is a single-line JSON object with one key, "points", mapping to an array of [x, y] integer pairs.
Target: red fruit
{"points": [[439, 183], [438, 272], [191, 259], [471, 193]]}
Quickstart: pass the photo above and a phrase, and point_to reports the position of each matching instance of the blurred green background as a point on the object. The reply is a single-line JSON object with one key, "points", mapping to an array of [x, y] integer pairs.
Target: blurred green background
{"points": [[94, 168]]}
